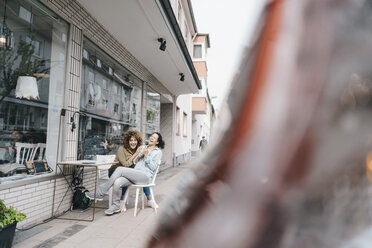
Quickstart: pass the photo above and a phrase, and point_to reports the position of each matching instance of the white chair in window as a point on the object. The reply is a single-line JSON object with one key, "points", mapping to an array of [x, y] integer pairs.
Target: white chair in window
{"points": [[41, 147], [103, 170], [138, 188], [25, 152]]}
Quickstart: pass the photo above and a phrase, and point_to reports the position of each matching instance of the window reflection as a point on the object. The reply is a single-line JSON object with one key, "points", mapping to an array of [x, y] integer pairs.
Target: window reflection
{"points": [[112, 102], [152, 112], [39, 53]]}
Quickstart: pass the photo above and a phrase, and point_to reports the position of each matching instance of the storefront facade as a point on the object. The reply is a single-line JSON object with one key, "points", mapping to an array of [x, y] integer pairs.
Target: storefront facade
{"points": [[78, 66]]}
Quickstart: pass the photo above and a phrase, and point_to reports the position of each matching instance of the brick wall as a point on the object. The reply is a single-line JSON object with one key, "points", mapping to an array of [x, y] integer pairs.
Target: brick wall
{"points": [[35, 199]]}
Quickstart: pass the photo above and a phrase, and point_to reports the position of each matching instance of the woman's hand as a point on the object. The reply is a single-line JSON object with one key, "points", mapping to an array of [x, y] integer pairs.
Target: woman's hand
{"points": [[146, 152], [138, 150], [140, 155]]}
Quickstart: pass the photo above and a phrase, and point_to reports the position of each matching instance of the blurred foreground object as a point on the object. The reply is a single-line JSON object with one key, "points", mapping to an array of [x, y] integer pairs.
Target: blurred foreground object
{"points": [[290, 170]]}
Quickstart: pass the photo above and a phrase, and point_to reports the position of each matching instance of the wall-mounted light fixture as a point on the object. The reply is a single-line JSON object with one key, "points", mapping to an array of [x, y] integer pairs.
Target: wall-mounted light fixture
{"points": [[182, 77], [72, 119], [163, 44], [126, 78], [6, 35]]}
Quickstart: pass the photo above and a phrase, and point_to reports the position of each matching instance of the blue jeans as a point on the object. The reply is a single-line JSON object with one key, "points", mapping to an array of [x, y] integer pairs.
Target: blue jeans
{"points": [[146, 189]]}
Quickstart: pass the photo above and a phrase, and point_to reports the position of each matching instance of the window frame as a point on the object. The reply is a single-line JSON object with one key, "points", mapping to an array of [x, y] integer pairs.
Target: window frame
{"points": [[203, 55]]}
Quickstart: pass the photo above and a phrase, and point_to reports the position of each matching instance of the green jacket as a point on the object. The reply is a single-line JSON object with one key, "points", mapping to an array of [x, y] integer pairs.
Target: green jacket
{"points": [[123, 157]]}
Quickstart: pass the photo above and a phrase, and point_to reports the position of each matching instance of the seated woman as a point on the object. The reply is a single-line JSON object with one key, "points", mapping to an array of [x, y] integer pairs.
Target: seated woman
{"points": [[132, 140], [146, 163]]}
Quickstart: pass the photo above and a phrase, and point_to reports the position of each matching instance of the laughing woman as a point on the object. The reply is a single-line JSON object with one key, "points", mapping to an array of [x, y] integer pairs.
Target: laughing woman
{"points": [[146, 163], [132, 141]]}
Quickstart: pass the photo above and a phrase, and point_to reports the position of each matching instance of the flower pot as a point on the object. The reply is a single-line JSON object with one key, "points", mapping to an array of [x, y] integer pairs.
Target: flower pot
{"points": [[7, 235]]}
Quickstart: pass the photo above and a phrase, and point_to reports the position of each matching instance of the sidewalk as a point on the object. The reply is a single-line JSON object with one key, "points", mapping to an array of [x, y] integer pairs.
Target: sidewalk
{"points": [[119, 230]]}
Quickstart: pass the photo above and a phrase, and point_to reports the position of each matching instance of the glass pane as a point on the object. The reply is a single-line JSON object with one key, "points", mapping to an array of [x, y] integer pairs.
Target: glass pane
{"points": [[197, 51], [152, 112], [112, 102], [31, 115]]}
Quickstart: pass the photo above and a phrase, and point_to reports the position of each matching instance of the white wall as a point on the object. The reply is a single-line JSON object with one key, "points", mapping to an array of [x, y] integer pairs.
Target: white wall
{"points": [[182, 144], [201, 125]]}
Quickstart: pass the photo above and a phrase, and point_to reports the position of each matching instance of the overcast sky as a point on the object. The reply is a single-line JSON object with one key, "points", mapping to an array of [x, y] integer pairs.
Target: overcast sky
{"points": [[229, 24]]}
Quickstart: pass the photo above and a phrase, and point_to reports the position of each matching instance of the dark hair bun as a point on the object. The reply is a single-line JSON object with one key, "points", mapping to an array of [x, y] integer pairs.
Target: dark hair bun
{"points": [[161, 143]]}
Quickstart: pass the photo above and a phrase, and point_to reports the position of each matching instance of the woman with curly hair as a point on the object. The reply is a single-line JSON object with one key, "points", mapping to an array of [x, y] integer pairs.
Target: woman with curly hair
{"points": [[132, 140], [127, 152]]}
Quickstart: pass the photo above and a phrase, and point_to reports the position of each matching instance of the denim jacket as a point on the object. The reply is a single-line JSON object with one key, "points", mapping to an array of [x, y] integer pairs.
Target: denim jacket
{"points": [[148, 165]]}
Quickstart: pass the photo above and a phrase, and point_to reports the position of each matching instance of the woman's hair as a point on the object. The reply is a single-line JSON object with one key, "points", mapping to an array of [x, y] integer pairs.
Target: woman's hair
{"points": [[128, 134], [161, 143]]}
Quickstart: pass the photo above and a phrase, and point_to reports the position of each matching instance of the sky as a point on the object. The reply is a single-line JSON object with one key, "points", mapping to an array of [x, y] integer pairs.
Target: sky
{"points": [[230, 25]]}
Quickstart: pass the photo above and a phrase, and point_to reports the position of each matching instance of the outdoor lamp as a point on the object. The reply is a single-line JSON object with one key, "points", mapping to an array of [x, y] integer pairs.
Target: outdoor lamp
{"points": [[2, 39], [6, 35], [163, 44], [182, 77], [126, 78], [27, 87]]}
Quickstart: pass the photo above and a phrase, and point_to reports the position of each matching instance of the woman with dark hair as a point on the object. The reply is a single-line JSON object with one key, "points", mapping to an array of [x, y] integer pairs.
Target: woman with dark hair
{"points": [[146, 163]]}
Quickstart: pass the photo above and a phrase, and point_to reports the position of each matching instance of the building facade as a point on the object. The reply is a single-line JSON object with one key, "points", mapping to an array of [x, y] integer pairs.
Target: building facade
{"points": [[111, 71], [202, 109]]}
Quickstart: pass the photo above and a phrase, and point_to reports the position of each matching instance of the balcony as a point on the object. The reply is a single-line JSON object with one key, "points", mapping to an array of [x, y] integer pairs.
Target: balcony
{"points": [[199, 105]]}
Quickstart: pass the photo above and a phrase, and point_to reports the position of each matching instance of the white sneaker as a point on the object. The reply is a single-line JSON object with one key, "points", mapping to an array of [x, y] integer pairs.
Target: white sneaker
{"points": [[152, 204]]}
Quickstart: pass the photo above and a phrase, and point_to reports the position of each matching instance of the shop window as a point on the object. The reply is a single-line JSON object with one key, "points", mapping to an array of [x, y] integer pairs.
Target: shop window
{"points": [[152, 112], [40, 54], [111, 104]]}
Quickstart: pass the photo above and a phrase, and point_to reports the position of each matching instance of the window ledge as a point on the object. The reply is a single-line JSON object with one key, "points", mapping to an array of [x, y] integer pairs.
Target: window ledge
{"points": [[33, 179]]}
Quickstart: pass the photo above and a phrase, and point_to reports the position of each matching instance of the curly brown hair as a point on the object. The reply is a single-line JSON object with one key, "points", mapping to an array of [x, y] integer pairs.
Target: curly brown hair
{"points": [[131, 133]]}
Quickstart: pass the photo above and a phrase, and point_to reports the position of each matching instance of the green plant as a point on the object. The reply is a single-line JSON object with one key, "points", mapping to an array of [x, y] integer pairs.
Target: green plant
{"points": [[150, 115], [9, 215]]}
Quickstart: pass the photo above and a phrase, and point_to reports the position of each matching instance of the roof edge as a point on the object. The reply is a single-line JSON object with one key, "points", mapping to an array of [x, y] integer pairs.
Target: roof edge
{"points": [[167, 8]]}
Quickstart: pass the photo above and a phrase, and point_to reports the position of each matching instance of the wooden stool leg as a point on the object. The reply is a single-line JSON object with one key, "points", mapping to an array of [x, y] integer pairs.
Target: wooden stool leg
{"points": [[136, 203]]}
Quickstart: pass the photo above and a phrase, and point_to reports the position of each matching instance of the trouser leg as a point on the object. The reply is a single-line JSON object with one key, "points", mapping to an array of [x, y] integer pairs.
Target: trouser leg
{"points": [[123, 189], [147, 191], [134, 176], [117, 190]]}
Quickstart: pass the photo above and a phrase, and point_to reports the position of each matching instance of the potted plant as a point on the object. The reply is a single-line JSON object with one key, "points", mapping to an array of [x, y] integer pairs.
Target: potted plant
{"points": [[8, 221]]}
